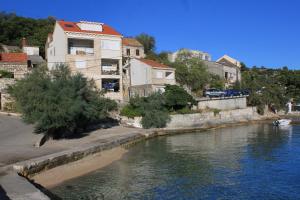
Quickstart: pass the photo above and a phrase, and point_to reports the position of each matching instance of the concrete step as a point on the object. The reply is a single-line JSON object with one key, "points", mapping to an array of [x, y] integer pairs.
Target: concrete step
{"points": [[15, 187]]}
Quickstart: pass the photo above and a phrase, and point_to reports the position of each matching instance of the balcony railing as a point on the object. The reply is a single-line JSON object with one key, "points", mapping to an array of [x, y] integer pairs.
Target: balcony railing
{"points": [[81, 51]]}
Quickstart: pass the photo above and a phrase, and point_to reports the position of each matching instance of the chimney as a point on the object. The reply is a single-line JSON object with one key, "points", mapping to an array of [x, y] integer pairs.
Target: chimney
{"points": [[24, 42]]}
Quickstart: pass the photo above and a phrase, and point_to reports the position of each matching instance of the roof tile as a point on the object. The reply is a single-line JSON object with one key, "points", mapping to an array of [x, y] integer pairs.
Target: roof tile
{"points": [[13, 57], [153, 63], [73, 27]]}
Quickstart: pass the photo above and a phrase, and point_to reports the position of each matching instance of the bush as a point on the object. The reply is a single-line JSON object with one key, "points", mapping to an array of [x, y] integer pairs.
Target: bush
{"points": [[216, 111], [58, 103], [130, 111], [155, 119], [6, 74], [152, 109], [177, 98], [185, 110], [10, 107]]}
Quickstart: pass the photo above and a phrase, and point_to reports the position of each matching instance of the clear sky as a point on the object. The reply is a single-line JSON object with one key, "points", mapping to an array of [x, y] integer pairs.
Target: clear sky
{"points": [[257, 32]]}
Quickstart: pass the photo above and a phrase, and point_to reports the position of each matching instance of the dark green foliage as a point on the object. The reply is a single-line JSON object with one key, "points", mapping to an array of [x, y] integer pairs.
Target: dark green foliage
{"points": [[13, 28], [147, 41], [59, 103], [6, 74], [130, 111], [155, 119], [192, 73], [152, 109], [177, 98], [271, 86], [216, 82]]}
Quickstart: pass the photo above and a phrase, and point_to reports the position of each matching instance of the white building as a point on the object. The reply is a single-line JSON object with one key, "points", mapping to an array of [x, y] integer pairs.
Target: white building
{"points": [[147, 76], [191, 53], [91, 48]]}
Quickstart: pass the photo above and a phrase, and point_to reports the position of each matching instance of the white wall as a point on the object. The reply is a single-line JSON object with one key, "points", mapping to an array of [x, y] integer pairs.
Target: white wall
{"points": [[140, 73], [111, 47], [57, 49]]}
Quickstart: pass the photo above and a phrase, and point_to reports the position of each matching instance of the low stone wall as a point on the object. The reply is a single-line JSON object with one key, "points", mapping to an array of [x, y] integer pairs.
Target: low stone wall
{"points": [[202, 120], [223, 103], [213, 118]]}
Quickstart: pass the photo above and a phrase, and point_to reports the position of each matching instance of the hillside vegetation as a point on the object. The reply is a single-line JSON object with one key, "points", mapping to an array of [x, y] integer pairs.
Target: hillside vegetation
{"points": [[13, 28]]}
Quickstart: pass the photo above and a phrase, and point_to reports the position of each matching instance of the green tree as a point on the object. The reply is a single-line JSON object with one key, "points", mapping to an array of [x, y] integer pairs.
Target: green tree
{"points": [[177, 98], [13, 28], [192, 73], [59, 104], [147, 41]]}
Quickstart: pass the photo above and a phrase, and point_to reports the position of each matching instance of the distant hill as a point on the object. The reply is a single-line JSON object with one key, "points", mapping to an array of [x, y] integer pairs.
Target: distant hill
{"points": [[13, 28]]}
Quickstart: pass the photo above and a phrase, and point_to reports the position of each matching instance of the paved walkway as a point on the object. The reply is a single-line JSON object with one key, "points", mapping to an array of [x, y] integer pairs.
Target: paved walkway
{"points": [[17, 140]]}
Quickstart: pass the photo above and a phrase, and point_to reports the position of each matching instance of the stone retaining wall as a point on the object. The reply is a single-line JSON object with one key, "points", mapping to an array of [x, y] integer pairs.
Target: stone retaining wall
{"points": [[206, 119], [223, 103]]}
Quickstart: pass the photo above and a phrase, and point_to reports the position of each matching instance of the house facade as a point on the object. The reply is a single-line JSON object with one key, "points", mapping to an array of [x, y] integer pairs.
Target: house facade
{"points": [[191, 53], [132, 48], [91, 48], [147, 76], [16, 63]]}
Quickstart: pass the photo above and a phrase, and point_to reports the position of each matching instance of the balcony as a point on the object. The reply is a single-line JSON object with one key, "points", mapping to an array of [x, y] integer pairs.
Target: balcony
{"points": [[80, 47], [110, 67]]}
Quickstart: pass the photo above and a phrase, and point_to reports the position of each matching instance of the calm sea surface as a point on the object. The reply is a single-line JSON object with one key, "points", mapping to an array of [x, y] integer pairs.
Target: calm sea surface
{"points": [[243, 162]]}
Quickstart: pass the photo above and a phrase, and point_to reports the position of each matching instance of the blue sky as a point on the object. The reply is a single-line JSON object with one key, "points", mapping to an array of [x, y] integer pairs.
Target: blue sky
{"points": [[257, 32]]}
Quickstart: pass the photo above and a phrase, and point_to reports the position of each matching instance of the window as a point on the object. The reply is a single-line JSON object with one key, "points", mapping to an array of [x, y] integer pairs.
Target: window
{"points": [[110, 45], [80, 64], [170, 75], [159, 74], [226, 75], [80, 47], [137, 52], [110, 66], [111, 85], [128, 52]]}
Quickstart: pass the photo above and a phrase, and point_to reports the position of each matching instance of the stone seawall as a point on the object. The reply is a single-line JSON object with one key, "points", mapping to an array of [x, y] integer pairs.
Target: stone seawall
{"points": [[212, 118], [202, 120]]}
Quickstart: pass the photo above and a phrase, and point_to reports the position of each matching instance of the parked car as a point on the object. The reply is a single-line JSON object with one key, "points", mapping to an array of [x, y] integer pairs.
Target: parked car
{"points": [[232, 93], [214, 93], [245, 92]]}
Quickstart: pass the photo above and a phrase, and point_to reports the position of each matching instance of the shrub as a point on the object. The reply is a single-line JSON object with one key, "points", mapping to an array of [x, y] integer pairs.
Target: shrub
{"points": [[130, 111], [185, 110], [155, 119], [177, 98], [10, 107], [152, 109], [216, 111], [6, 74], [58, 103]]}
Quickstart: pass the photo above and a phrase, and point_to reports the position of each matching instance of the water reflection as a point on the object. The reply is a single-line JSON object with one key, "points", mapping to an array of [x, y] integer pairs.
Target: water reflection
{"points": [[244, 162]]}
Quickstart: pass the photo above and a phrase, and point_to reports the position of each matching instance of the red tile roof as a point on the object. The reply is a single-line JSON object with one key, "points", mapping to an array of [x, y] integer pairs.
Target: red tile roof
{"points": [[131, 42], [153, 63], [13, 57], [73, 27]]}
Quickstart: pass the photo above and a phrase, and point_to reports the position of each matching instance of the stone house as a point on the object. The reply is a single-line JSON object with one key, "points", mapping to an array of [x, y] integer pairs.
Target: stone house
{"points": [[17, 64], [147, 76], [132, 48], [91, 48]]}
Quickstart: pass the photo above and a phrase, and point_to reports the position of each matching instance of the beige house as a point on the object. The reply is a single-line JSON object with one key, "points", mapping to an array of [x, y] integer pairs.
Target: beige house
{"points": [[191, 53], [91, 48], [132, 48], [147, 76]]}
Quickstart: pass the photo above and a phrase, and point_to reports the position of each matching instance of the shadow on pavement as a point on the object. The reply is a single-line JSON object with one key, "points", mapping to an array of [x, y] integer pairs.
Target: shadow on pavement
{"points": [[3, 195]]}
